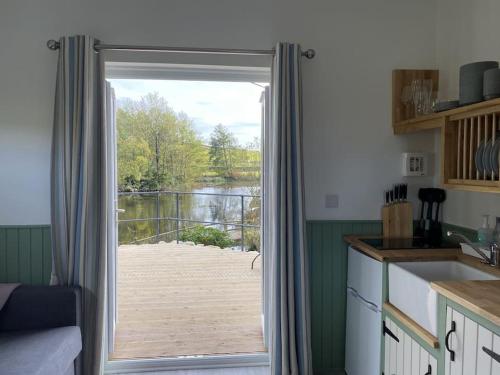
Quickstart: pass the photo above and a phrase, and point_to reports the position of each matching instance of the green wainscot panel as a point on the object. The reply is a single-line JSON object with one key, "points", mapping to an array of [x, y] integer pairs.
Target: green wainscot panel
{"points": [[328, 268], [25, 254]]}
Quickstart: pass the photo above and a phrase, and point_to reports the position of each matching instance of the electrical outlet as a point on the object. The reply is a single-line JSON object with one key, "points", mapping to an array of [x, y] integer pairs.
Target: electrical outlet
{"points": [[331, 201]]}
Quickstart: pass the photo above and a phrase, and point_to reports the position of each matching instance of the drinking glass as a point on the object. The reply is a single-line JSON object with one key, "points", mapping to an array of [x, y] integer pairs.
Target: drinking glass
{"points": [[407, 99], [416, 90], [426, 96]]}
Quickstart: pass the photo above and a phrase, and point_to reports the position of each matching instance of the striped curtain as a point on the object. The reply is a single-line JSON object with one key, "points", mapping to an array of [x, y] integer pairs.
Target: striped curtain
{"points": [[290, 316], [78, 188]]}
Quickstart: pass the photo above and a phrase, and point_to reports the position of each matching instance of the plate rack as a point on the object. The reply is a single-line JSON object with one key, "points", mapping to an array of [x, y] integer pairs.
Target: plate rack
{"points": [[469, 149]]}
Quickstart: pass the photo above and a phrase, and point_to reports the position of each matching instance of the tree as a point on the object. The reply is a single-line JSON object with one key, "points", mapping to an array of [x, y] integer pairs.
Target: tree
{"points": [[157, 148], [134, 157], [222, 150]]}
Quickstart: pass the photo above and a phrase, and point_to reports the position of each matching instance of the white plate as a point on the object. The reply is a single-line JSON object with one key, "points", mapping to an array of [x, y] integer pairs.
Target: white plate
{"points": [[479, 158], [486, 157], [494, 156]]}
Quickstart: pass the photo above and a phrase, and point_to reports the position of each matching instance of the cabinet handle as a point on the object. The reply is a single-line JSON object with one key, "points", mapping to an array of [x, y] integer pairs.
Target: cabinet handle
{"points": [[429, 370], [447, 340], [389, 332], [492, 354]]}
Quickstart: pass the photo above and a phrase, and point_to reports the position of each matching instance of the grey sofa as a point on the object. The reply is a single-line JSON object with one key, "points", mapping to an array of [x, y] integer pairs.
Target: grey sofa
{"points": [[40, 331]]}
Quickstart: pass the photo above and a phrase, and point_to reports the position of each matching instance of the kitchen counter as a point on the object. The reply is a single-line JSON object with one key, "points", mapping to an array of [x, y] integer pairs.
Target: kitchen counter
{"points": [[480, 297], [403, 255]]}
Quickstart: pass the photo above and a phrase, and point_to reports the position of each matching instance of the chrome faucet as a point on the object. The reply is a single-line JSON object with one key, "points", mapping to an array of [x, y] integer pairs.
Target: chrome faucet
{"points": [[494, 258]]}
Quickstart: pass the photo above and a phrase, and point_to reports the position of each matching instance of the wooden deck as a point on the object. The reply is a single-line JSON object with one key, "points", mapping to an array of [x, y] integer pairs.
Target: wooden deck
{"points": [[183, 300]]}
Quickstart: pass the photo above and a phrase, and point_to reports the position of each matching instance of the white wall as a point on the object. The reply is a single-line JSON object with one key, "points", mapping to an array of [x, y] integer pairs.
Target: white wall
{"points": [[349, 146], [467, 31]]}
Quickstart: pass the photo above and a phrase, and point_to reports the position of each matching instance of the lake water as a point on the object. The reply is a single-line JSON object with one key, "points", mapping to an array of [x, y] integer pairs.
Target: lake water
{"points": [[214, 204]]}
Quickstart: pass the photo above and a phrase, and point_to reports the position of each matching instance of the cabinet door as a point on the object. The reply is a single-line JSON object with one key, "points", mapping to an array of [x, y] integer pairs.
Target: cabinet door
{"points": [[471, 349], [454, 342], [484, 339], [495, 366], [405, 357]]}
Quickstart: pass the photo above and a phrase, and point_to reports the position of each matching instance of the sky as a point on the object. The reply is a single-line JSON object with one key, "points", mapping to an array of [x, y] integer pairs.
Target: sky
{"points": [[233, 104]]}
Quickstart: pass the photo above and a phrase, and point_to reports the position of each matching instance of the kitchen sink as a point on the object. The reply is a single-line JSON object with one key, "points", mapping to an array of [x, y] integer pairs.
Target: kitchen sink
{"points": [[410, 287]]}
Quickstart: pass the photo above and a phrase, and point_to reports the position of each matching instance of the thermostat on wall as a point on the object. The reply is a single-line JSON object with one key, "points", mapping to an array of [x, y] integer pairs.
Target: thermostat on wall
{"points": [[415, 164]]}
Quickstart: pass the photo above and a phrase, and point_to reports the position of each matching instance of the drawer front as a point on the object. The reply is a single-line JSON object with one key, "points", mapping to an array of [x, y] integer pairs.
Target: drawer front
{"points": [[469, 347], [405, 357]]}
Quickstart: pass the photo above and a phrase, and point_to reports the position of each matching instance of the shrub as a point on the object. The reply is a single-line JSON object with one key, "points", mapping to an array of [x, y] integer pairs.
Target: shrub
{"points": [[252, 239], [207, 236]]}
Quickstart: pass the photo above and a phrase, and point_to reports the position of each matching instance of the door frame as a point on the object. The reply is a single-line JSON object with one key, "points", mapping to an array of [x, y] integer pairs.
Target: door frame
{"points": [[265, 243], [142, 70], [110, 310]]}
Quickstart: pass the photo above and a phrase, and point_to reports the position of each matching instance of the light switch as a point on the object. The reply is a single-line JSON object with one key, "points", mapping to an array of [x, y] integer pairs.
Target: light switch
{"points": [[332, 201]]}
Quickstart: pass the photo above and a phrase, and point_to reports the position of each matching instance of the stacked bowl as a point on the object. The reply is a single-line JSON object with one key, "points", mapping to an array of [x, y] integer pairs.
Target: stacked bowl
{"points": [[491, 84], [472, 78]]}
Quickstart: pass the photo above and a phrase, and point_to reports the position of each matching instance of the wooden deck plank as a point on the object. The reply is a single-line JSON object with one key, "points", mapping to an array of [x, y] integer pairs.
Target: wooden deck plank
{"points": [[183, 300]]}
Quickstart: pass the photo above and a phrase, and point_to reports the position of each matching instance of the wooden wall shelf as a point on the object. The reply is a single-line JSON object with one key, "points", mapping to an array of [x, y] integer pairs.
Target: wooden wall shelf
{"points": [[463, 131], [426, 122], [437, 120]]}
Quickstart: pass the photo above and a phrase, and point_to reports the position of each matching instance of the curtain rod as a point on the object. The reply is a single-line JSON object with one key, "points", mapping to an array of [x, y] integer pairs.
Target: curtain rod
{"points": [[310, 53]]}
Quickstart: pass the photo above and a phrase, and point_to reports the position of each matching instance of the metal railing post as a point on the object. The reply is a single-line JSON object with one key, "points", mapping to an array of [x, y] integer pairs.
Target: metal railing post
{"points": [[177, 217], [242, 223], [157, 215]]}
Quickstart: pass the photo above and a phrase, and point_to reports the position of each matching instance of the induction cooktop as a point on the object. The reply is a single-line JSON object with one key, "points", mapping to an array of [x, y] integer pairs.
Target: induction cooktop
{"points": [[407, 243]]}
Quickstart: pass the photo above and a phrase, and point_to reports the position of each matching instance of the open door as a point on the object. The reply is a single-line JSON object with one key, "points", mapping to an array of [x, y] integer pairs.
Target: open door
{"points": [[110, 112], [147, 244]]}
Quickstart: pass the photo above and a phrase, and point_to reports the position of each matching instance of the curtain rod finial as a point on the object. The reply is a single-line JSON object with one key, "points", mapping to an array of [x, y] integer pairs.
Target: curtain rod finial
{"points": [[53, 44], [310, 53]]}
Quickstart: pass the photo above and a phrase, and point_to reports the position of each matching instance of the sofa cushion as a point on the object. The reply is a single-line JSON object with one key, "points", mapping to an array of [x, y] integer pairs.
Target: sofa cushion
{"points": [[43, 352], [41, 307]]}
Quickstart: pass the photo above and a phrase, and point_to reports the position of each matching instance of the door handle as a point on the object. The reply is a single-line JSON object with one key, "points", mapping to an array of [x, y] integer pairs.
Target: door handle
{"points": [[120, 210], [492, 354], [353, 291], [447, 340], [389, 332], [429, 370], [368, 304]]}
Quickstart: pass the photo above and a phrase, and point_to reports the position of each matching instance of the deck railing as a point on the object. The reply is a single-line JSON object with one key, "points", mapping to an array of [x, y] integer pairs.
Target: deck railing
{"points": [[178, 219]]}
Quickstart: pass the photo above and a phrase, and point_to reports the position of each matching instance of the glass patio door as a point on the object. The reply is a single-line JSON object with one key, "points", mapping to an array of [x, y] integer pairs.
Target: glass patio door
{"points": [[110, 110], [265, 225], [151, 327]]}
